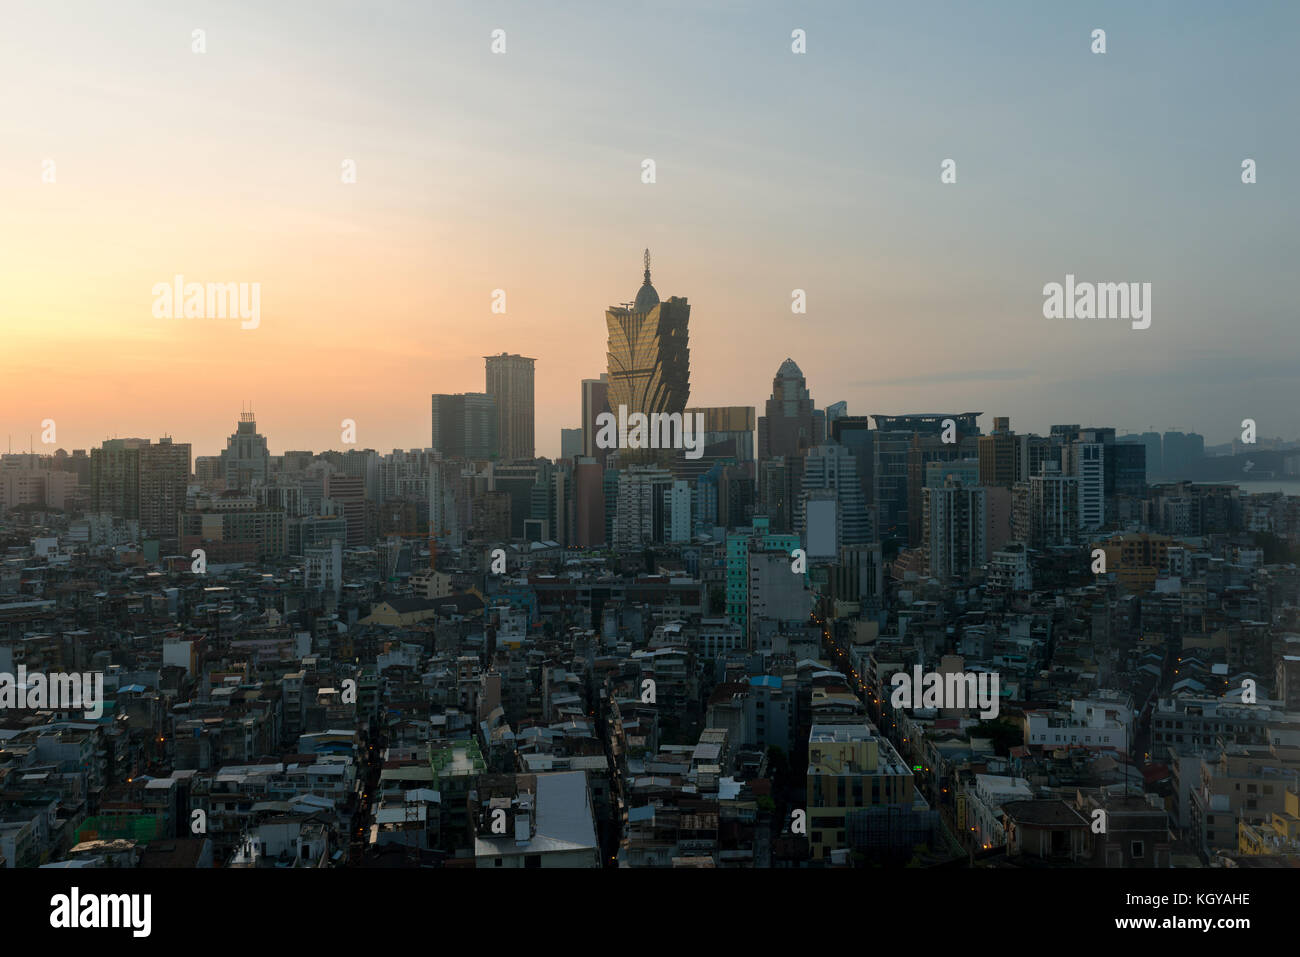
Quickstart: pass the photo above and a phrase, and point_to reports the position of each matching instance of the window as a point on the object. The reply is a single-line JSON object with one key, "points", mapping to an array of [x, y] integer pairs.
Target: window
{"points": [[1136, 850]]}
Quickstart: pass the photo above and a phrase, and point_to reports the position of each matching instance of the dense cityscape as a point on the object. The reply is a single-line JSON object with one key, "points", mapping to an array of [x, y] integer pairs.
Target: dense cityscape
{"points": [[815, 637]]}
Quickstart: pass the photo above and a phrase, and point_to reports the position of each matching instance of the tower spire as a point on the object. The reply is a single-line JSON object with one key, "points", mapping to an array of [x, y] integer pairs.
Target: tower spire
{"points": [[646, 258]]}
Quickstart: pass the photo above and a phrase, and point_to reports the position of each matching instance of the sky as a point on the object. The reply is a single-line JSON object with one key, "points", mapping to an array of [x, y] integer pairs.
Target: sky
{"points": [[522, 171]]}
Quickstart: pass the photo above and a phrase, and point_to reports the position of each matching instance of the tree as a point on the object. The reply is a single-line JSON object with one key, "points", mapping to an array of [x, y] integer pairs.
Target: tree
{"points": [[1005, 734]]}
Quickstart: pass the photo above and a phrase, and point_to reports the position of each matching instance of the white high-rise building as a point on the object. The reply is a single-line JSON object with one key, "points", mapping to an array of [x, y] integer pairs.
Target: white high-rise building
{"points": [[634, 514], [677, 512], [1088, 465]]}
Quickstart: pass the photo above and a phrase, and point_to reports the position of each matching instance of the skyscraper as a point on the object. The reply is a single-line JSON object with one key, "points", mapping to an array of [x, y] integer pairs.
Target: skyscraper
{"points": [[832, 468], [510, 381], [649, 357], [595, 400], [789, 426], [245, 458], [465, 425]]}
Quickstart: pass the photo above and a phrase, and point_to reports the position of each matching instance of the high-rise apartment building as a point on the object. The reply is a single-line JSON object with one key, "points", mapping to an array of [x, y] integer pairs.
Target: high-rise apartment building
{"points": [[640, 508], [1045, 510], [164, 479], [510, 382], [133, 478], [115, 477], [955, 525]]}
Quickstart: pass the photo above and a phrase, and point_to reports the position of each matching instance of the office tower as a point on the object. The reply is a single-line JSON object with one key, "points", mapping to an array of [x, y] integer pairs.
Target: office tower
{"points": [[543, 512], [1155, 463], [517, 480], [649, 358], [1031, 452], [728, 432], [835, 411], [997, 455], [465, 425], [595, 400], [964, 471], [510, 382], [589, 504], [245, 459], [735, 496], [570, 443], [1045, 510], [164, 479], [854, 432], [833, 468], [788, 426], [955, 529], [898, 471], [1130, 467], [704, 501]]}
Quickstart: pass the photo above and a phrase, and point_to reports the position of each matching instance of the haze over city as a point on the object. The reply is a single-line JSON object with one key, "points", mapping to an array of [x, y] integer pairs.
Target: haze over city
{"points": [[774, 173]]}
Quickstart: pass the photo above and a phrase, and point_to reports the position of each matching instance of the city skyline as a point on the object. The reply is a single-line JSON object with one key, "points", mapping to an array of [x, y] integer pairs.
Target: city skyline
{"points": [[678, 436], [377, 293]]}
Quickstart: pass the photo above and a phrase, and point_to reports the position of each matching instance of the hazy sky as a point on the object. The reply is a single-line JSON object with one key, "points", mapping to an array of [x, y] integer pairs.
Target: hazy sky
{"points": [[522, 171]]}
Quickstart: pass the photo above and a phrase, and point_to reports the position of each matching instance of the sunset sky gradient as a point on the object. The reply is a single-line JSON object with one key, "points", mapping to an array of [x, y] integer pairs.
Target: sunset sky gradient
{"points": [[522, 171]]}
